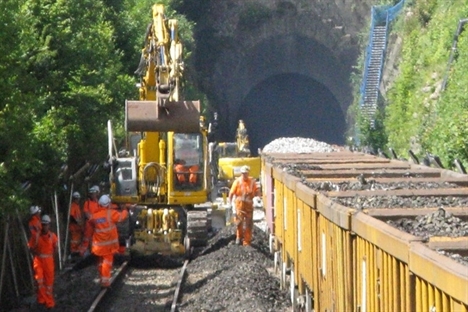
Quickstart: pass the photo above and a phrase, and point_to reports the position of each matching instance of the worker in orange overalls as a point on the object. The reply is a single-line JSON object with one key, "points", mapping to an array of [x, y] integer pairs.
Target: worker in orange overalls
{"points": [[34, 223], [243, 190], [122, 228], [76, 226], [184, 173], [44, 248], [101, 227], [193, 174], [91, 204], [181, 171]]}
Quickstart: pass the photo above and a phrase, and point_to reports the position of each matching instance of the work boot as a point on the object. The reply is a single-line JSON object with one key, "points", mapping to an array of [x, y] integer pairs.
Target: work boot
{"points": [[238, 241]]}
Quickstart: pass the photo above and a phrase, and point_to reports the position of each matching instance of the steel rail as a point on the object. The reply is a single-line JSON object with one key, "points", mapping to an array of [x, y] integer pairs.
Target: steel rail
{"points": [[98, 299], [179, 285]]}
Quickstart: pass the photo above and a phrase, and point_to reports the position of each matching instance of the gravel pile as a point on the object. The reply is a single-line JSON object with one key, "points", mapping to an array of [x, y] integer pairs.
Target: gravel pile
{"points": [[297, 145], [228, 277], [438, 223], [371, 185], [364, 202]]}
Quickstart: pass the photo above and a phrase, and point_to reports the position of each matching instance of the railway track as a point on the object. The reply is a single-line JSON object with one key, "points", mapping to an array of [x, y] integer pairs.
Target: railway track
{"points": [[143, 288]]}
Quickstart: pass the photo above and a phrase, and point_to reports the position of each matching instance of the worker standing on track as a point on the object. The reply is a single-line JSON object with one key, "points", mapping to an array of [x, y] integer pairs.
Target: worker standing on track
{"points": [[91, 204], [244, 189], [44, 248], [76, 226], [105, 240]]}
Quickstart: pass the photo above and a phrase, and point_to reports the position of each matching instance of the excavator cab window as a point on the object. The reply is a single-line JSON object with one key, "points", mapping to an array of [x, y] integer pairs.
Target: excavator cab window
{"points": [[188, 161], [134, 139], [228, 149]]}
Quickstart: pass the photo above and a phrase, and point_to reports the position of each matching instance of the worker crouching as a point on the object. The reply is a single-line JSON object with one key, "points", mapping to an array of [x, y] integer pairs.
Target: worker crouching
{"points": [[44, 248], [101, 228], [243, 190]]}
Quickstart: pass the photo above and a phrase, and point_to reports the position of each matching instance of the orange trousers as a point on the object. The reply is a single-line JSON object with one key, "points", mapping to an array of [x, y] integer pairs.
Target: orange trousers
{"points": [[44, 274], [105, 268], [76, 235], [244, 220]]}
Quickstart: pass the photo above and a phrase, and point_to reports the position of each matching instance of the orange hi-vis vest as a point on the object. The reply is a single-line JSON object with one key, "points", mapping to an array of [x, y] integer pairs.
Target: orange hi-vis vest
{"points": [[90, 206], [35, 227], [193, 173], [181, 172], [101, 226], [75, 212], [45, 244], [244, 190]]}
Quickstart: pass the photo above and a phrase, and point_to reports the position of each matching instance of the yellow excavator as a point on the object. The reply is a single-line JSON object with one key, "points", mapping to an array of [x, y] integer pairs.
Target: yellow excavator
{"points": [[231, 156], [164, 168]]}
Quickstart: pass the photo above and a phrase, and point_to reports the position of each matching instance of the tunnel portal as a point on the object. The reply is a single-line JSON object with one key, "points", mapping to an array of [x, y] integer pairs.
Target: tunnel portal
{"points": [[291, 105]]}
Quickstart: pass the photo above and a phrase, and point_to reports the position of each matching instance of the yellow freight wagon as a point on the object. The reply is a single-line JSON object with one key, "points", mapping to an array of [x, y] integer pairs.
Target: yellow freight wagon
{"points": [[337, 254]]}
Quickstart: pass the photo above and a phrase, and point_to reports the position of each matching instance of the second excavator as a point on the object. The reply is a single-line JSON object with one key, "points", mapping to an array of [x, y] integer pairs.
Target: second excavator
{"points": [[231, 156]]}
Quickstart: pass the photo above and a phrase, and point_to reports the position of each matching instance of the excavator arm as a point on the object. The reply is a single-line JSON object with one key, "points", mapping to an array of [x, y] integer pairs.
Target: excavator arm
{"points": [[160, 68]]}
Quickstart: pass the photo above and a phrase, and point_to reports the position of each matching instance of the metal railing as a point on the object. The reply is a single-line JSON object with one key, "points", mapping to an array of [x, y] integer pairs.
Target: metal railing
{"points": [[381, 16]]}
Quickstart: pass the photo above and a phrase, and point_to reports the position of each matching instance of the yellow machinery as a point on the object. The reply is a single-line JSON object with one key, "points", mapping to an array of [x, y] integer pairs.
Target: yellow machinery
{"points": [[165, 171], [233, 155]]}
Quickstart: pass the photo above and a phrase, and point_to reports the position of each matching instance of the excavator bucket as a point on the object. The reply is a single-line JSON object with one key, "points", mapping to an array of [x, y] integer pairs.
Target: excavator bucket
{"points": [[182, 116]]}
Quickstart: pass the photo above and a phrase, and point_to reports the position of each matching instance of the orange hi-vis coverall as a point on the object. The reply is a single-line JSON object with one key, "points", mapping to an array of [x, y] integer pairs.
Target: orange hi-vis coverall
{"points": [[244, 191], [76, 229], [105, 239], [193, 174], [44, 247], [122, 247], [181, 172], [35, 225], [90, 206]]}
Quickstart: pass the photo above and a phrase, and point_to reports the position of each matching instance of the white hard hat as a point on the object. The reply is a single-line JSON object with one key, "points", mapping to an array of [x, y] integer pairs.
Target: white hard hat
{"points": [[94, 189], [76, 195], [45, 219], [104, 201], [34, 209], [245, 169]]}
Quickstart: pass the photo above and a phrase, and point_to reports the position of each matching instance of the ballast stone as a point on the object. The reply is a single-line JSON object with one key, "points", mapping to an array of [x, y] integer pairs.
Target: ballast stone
{"points": [[297, 145]]}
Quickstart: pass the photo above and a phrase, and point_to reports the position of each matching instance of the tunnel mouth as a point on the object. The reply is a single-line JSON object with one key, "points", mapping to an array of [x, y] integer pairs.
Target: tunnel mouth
{"points": [[291, 105]]}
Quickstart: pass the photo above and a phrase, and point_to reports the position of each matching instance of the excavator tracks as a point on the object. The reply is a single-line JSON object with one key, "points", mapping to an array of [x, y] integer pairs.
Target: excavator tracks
{"points": [[197, 228]]}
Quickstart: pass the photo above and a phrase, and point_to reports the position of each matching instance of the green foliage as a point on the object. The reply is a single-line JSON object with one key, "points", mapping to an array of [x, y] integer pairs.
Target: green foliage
{"points": [[372, 136], [414, 118], [447, 134], [424, 10], [449, 138], [62, 78]]}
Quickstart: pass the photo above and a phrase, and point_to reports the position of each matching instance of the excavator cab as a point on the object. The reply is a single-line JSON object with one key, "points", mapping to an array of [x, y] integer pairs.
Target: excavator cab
{"points": [[188, 161]]}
